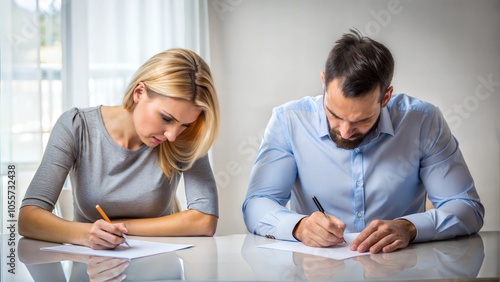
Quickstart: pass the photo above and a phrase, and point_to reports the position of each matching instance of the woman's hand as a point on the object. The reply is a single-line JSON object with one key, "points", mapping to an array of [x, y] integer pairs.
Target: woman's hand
{"points": [[105, 235]]}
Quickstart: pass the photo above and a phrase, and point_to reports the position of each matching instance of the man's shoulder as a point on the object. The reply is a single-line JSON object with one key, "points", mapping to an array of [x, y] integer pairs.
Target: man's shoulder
{"points": [[406, 103], [307, 103]]}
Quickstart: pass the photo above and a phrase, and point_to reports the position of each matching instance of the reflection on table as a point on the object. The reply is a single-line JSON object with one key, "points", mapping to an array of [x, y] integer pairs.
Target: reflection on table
{"points": [[236, 257], [461, 257], [161, 267], [48, 266]]}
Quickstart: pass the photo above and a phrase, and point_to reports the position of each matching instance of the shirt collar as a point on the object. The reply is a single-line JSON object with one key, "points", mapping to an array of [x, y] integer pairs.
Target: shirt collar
{"points": [[384, 125], [324, 127]]}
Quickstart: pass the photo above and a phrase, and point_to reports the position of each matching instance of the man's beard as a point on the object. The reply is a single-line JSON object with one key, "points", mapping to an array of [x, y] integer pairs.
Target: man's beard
{"points": [[353, 142], [347, 144]]}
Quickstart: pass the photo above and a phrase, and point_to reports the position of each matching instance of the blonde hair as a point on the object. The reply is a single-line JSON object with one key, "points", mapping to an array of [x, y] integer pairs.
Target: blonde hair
{"points": [[181, 74]]}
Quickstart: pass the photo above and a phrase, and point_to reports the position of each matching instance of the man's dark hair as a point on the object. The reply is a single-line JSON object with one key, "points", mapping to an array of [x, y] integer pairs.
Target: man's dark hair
{"points": [[361, 64]]}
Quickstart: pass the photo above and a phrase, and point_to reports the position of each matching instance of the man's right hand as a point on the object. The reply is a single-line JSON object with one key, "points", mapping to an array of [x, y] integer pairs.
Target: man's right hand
{"points": [[317, 230]]}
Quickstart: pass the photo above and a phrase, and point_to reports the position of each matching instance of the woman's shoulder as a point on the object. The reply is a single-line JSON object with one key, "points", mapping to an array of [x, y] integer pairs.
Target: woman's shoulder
{"points": [[77, 112], [76, 119], [78, 115]]}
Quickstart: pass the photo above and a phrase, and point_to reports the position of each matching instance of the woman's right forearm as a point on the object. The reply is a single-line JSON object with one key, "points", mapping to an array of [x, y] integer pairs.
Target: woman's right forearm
{"points": [[37, 223]]}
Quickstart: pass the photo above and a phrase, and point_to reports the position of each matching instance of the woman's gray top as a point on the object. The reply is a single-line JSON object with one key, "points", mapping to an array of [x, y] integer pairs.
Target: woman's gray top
{"points": [[125, 183]]}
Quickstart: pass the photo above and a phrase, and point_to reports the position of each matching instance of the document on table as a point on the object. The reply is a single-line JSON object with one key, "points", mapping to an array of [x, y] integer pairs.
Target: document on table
{"points": [[338, 252], [137, 249]]}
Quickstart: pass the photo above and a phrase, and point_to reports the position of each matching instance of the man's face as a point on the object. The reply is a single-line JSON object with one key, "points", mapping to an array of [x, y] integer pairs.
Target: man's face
{"points": [[351, 119]]}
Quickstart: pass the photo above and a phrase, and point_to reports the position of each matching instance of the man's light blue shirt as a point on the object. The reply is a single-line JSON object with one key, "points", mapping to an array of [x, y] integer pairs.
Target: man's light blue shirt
{"points": [[410, 154]]}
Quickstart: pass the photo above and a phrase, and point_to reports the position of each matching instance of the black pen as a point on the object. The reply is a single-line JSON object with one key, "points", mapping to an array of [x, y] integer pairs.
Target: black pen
{"points": [[320, 208]]}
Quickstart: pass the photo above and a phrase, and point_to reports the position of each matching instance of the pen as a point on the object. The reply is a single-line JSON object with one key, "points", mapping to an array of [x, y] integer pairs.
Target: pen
{"points": [[103, 214], [320, 208]]}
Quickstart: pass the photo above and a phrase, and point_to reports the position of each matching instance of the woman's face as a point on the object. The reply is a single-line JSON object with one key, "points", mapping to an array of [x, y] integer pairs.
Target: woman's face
{"points": [[159, 118]]}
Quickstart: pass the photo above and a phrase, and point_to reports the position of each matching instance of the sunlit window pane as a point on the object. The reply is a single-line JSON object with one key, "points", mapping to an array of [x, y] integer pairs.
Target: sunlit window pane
{"points": [[31, 78], [26, 147]]}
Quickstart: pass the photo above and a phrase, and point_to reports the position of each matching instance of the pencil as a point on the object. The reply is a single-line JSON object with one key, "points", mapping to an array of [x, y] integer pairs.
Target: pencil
{"points": [[103, 214], [320, 208]]}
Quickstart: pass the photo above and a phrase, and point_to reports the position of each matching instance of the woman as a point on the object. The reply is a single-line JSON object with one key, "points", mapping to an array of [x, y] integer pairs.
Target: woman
{"points": [[129, 159]]}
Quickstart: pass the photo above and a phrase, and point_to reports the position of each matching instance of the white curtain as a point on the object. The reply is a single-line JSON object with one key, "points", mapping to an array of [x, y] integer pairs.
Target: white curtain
{"points": [[111, 39]]}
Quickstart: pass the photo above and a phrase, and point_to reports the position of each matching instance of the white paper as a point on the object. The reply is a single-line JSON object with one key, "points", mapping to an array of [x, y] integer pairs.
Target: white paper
{"points": [[137, 249], [338, 252]]}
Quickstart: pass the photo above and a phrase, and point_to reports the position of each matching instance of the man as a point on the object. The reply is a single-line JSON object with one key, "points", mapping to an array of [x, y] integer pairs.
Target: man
{"points": [[368, 156]]}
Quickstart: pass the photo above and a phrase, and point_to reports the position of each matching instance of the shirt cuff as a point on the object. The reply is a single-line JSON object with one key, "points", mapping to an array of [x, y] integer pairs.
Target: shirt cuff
{"points": [[424, 226], [286, 225]]}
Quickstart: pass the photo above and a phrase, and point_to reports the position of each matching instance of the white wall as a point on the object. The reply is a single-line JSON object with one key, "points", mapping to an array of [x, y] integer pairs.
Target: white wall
{"points": [[264, 53]]}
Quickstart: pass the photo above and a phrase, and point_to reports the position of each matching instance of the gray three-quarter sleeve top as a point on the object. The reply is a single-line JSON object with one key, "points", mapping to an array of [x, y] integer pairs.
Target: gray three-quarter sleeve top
{"points": [[126, 183]]}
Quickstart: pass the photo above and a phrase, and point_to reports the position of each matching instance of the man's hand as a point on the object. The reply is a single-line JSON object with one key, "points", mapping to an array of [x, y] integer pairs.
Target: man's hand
{"points": [[318, 230], [385, 235]]}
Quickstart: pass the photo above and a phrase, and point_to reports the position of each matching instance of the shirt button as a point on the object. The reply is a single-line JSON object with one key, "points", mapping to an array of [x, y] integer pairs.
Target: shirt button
{"points": [[359, 183], [360, 214], [356, 150]]}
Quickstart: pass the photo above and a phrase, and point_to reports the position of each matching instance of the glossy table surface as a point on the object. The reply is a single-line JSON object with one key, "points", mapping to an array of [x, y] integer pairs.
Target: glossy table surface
{"points": [[236, 257]]}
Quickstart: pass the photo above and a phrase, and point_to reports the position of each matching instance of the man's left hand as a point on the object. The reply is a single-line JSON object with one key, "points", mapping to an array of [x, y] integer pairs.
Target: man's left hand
{"points": [[385, 235]]}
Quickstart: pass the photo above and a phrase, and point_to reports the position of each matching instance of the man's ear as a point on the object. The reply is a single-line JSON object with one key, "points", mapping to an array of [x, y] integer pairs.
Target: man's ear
{"points": [[139, 90], [323, 80], [387, 96]]}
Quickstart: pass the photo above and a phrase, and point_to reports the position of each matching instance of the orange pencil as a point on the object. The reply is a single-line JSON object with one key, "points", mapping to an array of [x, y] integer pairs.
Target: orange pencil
{"points": [[103, 214]]}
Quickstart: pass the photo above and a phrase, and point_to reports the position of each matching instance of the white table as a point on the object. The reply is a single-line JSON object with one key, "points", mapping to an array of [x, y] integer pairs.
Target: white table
{"points": [[236, 257]]}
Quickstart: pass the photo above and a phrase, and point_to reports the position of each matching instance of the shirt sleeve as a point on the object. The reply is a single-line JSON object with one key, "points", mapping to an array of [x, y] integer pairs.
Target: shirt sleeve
{"points": [[58, 158], [449, 184], [201, 190], [271, 183]]}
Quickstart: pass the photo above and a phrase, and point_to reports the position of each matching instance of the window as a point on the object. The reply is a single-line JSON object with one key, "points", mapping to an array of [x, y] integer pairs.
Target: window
{"points": [[30, 87]]}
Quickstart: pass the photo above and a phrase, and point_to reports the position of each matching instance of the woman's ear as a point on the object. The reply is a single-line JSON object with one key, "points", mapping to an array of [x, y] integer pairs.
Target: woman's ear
{"points": [[139, 90]]}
